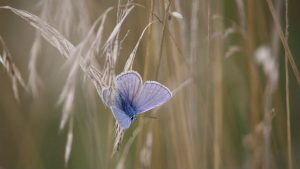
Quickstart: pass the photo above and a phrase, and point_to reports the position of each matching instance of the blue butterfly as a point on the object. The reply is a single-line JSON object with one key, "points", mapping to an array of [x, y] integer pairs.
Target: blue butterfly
{"points": [[132, 97]]}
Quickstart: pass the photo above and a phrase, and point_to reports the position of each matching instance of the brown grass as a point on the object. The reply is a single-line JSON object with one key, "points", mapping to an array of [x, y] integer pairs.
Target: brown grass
{"points": [[222, 60]]}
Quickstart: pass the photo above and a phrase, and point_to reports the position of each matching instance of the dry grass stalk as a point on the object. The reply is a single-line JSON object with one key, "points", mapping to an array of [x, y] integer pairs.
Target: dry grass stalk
{"points": [[182, 85], [67, 49], [287, 90], [189, 132], [129, 62], [264, 56], [34, 81], [254, 83], [69, 12], [66, 13], [13, 72], [284, 41], [217, 55], [69, 142], [88, 44], [124, 155], [146, 151], [241, 9], [194, 31], [54, 37], [117, 28], [119, 134], [67, 95], [164, 30], [111, 51], [207, 117]]}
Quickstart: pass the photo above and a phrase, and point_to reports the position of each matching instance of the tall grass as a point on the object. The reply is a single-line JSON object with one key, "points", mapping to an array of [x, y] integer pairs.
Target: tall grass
{"points": [[234, 105]]}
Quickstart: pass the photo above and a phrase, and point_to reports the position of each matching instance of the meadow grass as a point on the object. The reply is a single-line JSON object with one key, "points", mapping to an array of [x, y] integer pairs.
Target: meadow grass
{"points": [[231, 67]]}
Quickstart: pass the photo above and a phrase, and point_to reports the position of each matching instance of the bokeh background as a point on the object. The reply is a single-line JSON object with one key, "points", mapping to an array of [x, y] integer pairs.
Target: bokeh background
{"points": [[224, 61]]}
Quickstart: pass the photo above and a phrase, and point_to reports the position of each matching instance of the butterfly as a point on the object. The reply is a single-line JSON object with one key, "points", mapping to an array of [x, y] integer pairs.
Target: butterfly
{"points": [[132, 97]]}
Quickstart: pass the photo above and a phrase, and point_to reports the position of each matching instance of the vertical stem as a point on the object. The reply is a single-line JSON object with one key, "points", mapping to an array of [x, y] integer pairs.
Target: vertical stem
{"points": [[290, 163], [163, 37], [254, 93], [208, 95], [217, 69], [149, 46], [253, 77]]}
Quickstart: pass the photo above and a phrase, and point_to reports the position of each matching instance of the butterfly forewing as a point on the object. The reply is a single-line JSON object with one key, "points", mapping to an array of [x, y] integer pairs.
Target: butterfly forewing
{"points": [[123, 120], [152, 95], [128, 84]]}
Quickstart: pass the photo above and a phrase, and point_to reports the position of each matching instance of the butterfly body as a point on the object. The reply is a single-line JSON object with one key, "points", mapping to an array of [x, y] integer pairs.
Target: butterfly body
{"points": [[132, 97], [127, 106]]}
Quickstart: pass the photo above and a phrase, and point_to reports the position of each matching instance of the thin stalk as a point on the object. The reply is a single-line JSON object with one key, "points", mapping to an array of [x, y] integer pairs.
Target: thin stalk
{"points": [[287, 91], [208, 95], [284, 41], [163, 37], [217, 75]]}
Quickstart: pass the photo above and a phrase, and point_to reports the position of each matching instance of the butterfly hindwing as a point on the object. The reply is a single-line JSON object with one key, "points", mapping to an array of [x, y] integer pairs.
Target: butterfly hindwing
{"points": [[128, 85], [123, 120], [151, 95]]}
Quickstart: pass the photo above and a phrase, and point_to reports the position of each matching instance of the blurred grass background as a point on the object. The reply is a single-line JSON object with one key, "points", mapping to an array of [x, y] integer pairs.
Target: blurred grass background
{"points": [[228, 112]]}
